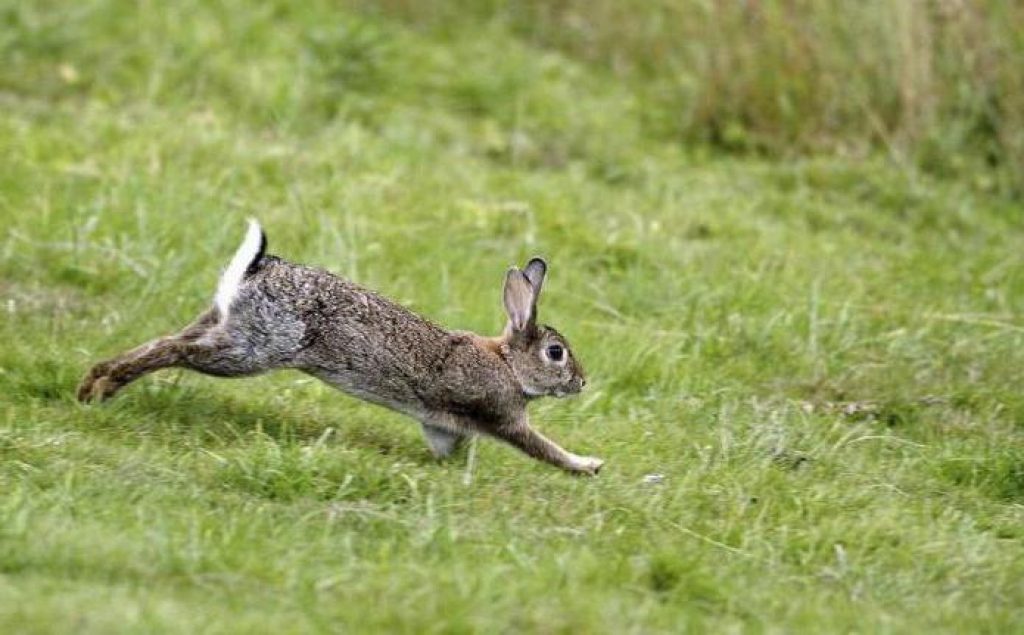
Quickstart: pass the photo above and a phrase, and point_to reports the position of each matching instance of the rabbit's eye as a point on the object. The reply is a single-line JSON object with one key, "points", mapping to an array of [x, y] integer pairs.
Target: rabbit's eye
{"points": [[556, 352]]}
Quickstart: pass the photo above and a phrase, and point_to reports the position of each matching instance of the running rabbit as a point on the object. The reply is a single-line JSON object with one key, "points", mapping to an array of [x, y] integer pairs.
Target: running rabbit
{"points": [[269, 313]]}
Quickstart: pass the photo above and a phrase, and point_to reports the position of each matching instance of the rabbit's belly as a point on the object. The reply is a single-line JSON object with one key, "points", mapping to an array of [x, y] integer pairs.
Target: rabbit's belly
{"points": [[392, 394]]}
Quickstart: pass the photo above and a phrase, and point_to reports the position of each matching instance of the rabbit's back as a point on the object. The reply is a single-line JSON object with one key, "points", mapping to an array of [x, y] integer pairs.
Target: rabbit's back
{"points": [[357, 340]]}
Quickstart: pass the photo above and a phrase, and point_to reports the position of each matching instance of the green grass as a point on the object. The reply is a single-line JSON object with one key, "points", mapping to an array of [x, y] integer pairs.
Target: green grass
{"points": [[936, 84], [821, 356]]}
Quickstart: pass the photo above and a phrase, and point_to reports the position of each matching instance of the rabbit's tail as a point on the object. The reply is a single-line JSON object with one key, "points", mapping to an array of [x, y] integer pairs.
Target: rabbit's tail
{"points": [[249, 253]]}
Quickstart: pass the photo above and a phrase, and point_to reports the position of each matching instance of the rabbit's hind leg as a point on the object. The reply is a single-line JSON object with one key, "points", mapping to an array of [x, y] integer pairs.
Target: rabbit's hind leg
{"points": [[106, 378]]}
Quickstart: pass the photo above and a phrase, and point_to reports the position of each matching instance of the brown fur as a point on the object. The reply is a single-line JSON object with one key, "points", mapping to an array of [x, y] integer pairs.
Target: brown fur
{"points": [[455, 383]]}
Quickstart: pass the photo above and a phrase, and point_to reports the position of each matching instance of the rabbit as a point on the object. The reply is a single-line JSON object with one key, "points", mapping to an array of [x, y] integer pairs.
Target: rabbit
{"points": [[269, 313]]}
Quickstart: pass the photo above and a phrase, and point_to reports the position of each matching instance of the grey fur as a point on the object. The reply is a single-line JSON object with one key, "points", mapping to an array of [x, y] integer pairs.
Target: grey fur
{"points": [[454, 383]]}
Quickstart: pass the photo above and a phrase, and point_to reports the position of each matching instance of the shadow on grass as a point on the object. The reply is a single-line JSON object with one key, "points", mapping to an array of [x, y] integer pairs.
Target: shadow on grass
{"points": [[274, 442], [173, 413], [165, 410]]}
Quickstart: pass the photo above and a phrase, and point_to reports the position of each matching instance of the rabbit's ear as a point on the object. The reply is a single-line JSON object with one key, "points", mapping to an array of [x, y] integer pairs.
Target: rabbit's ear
{"points": [[520, 299], [535, 271]]}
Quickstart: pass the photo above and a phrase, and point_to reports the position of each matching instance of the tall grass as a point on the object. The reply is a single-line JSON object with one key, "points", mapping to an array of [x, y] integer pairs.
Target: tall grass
{"points": [[935, 84]]}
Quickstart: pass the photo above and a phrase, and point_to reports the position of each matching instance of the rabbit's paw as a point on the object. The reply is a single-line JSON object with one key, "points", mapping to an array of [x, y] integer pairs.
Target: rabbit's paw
{"points": [[588, 465], [97, 388]]}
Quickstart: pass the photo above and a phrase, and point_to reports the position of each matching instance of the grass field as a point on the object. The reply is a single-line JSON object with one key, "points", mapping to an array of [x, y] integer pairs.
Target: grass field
{"points": [[820, 356]]}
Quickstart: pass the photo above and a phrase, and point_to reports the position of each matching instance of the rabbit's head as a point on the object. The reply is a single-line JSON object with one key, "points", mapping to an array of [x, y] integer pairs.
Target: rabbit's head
{"points": [[539, 355]]}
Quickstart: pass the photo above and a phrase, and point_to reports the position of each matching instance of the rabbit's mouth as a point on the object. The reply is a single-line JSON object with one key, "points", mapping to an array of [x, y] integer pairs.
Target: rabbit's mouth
{"points": [[573, 388]]}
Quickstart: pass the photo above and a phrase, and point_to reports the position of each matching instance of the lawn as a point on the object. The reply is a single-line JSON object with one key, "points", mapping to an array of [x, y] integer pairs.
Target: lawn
{"points": [[819, 356]]}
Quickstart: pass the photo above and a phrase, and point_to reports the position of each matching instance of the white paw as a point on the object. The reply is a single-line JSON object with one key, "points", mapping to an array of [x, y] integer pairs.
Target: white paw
{"points": [[587, 465]]}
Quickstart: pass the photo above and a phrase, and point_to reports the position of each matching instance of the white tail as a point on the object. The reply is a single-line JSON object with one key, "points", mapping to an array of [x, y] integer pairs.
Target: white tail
{"points": [[232, 277]]}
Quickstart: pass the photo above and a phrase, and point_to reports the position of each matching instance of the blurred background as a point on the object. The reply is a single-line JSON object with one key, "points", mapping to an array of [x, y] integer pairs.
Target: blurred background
{"points": [[934, 85]]}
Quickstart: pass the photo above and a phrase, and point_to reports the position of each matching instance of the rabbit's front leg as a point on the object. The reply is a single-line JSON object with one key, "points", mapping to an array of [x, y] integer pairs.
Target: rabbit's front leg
{"points": [[442, 442], [524, 437]]}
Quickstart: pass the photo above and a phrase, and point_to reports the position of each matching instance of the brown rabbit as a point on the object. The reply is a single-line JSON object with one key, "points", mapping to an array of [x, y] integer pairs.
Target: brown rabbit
{"points": [[269, 313]]}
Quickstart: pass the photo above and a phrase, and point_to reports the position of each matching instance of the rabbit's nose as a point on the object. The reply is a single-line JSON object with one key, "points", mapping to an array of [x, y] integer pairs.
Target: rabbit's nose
{"points": [[583, 382]]}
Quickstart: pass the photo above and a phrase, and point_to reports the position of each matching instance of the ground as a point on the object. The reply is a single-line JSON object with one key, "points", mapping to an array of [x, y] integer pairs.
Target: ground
{"points": [[819, 358]]}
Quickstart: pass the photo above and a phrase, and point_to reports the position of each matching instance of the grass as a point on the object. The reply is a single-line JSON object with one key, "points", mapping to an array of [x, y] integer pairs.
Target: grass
{"points": [[821, 356], [932, 84]]}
